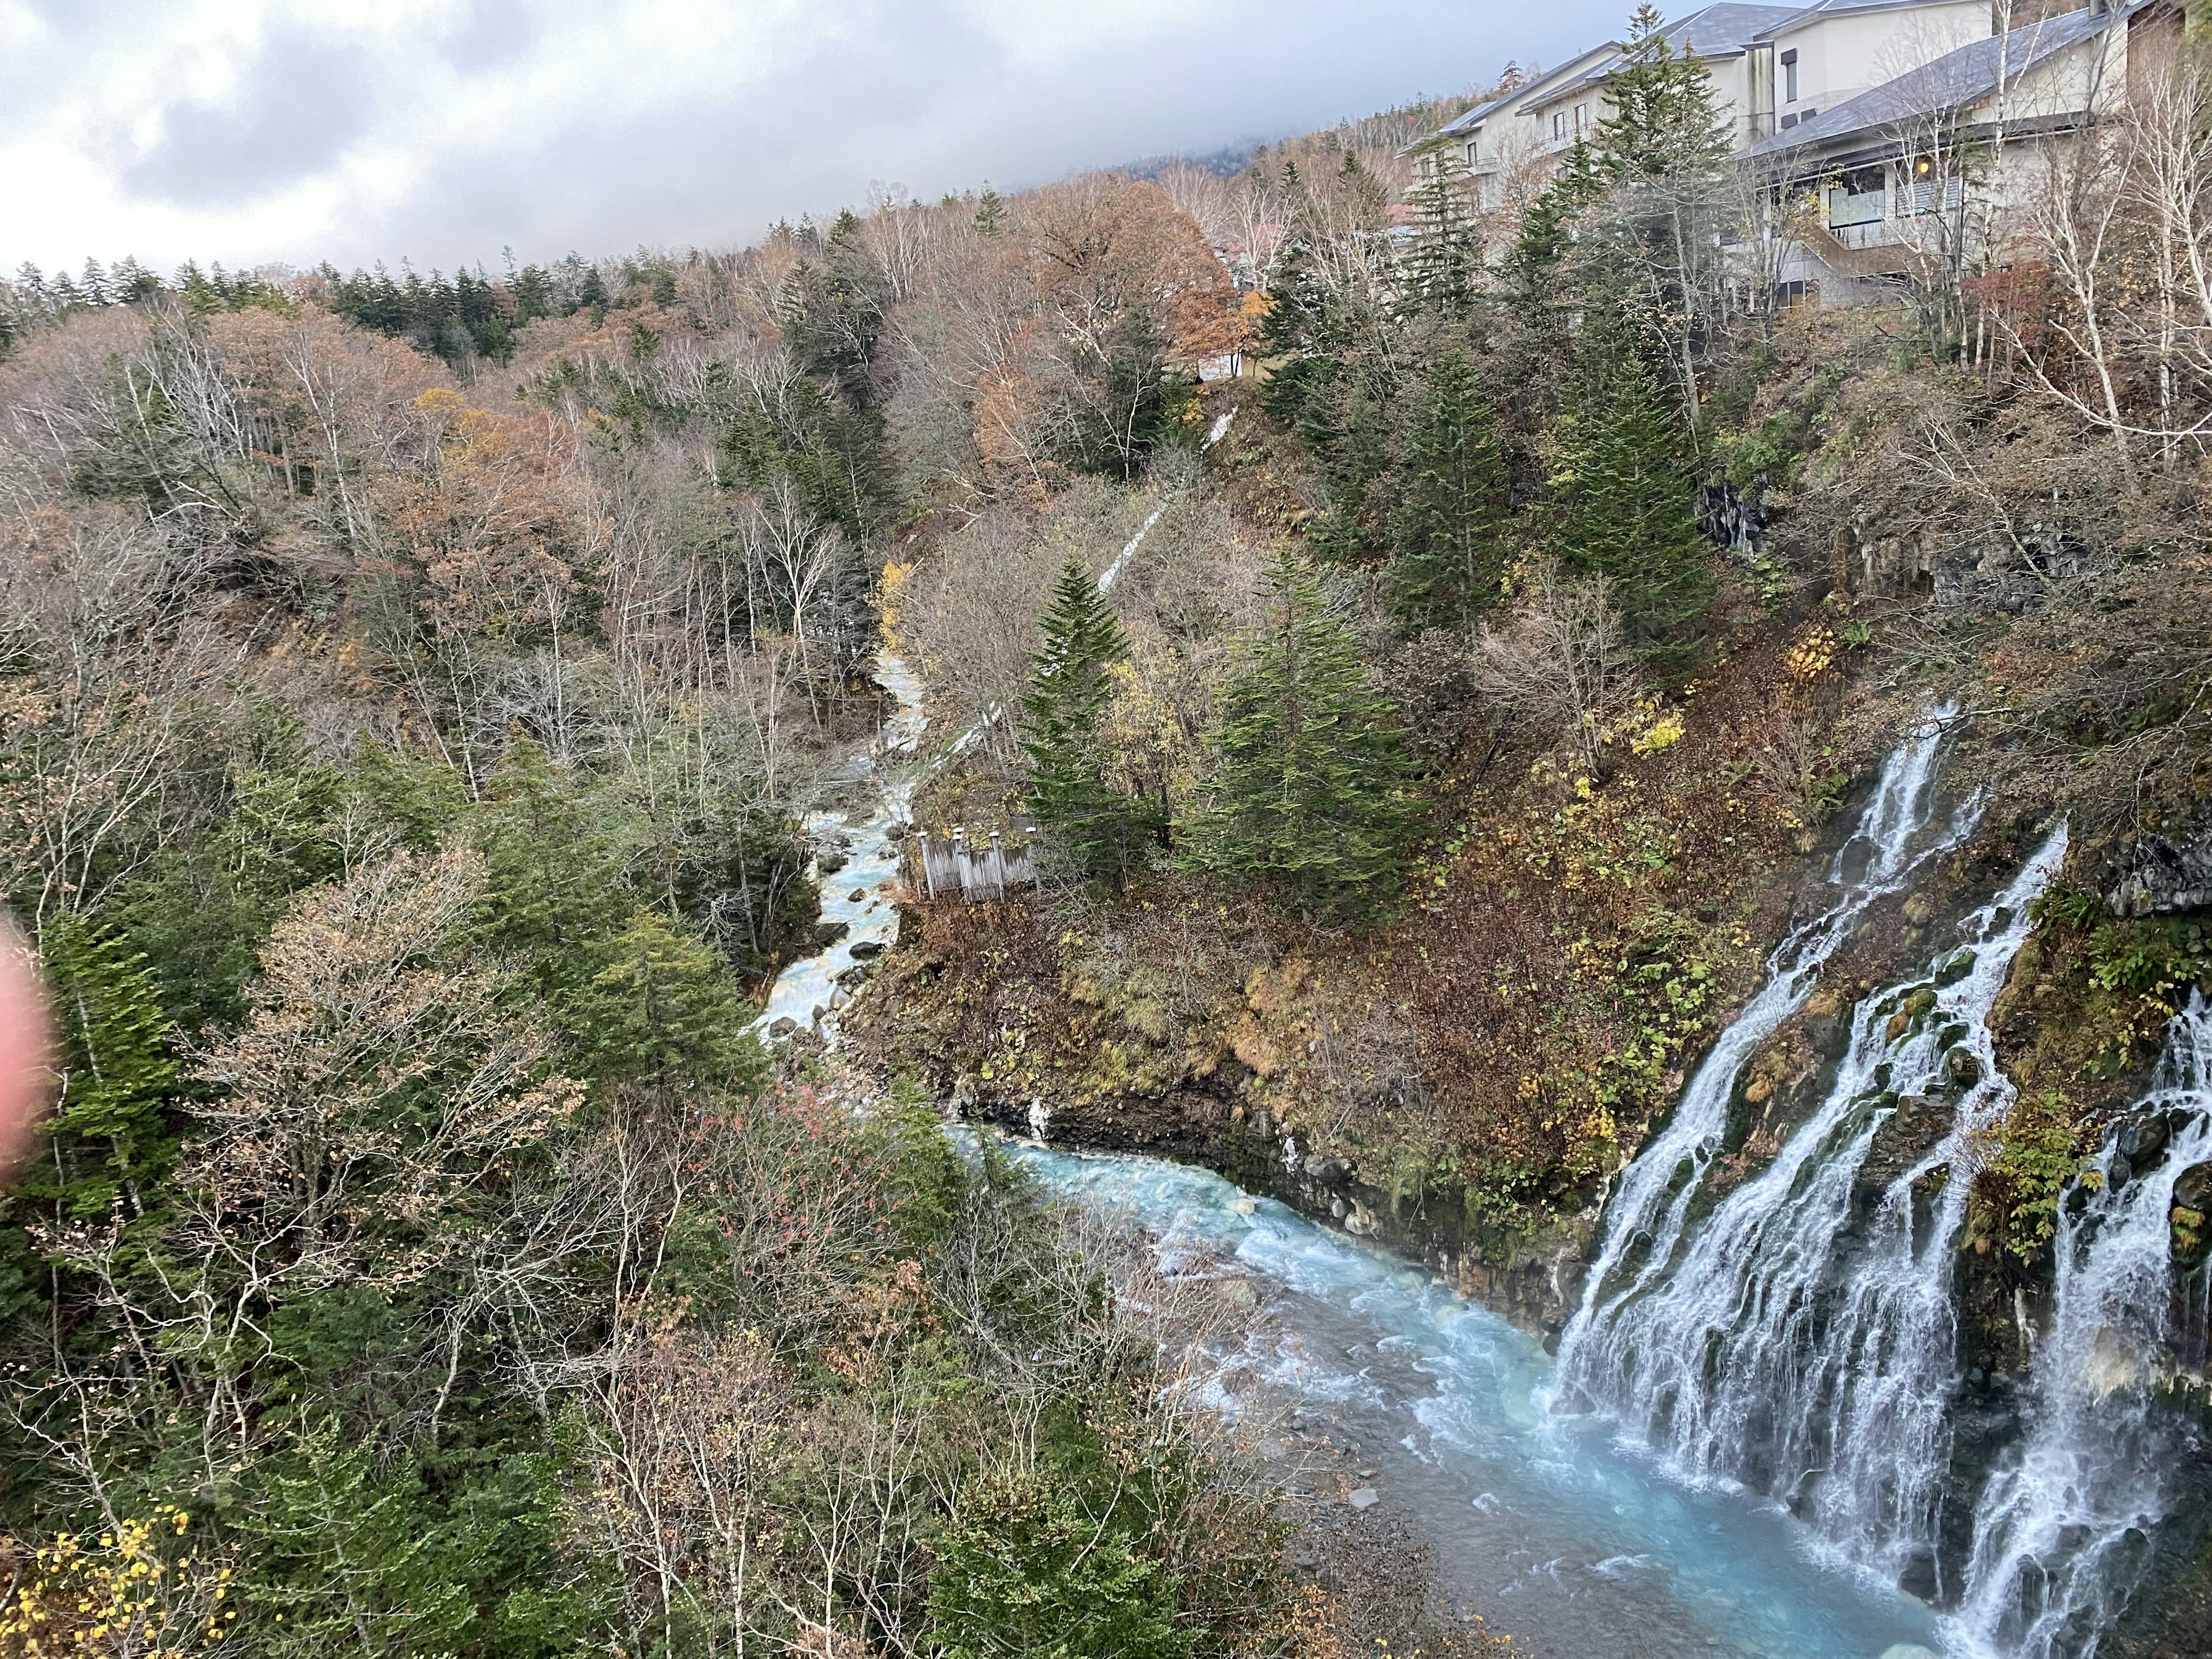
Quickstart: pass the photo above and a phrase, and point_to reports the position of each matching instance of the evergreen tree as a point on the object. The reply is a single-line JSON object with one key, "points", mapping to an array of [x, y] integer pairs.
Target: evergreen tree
{"points": [[1308, 800], [109, 1130], [1442, 258], [1625, 495], [1451, 514], [1539, 253], [1665, 125], [1096, 829], [662, 1007], [1660, 152]]}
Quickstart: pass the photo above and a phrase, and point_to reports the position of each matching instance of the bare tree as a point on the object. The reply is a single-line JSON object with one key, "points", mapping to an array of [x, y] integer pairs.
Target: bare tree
{"points": [[1561, 662]]}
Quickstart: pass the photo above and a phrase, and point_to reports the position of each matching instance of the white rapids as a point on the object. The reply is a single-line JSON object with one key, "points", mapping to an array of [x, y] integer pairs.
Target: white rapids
{"points": [[2064, 1525], [1652, 1201], [1805, 1350]]}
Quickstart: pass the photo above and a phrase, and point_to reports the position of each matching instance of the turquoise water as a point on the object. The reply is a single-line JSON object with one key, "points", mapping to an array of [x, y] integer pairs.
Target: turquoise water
{"points": [[1580, 1549]]}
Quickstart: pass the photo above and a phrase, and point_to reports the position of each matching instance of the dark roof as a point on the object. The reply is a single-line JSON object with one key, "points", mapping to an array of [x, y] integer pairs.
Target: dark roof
{"points": [[1723, 30], [1955, 79], [1726, 30], [1481, 111]]}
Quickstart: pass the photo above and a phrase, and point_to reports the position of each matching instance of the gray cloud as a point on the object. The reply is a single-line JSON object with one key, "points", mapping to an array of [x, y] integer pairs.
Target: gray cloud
{"points": [[937, 95], [300, 102], [491, 35]]}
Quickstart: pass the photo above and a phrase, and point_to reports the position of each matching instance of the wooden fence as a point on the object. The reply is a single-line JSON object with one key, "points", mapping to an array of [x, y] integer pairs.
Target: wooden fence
{"points": [[960, 868]]}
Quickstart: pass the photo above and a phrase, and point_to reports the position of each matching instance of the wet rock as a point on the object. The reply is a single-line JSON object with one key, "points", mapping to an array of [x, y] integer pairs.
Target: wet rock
{"points": [[2192, 1203], [2141, 1140], [867, 948], [1362, 1497], [1955, 968], [1964, 1067], [830, 859], [829, 932], [1329, 1172], [856, 895], [784, 1027], [1916, 1123], [2192, 1188], [1828, 1033], [2158, 875], [898, 831]]}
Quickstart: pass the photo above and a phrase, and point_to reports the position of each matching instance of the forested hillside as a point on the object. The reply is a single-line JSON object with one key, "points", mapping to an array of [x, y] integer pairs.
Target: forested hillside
{"points": [[413, 691]]}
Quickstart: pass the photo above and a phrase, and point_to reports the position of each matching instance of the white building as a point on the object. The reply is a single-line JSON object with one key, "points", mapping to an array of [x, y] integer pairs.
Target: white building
{"points": [[1933, 163], [1887, 113], [1829, 53]]}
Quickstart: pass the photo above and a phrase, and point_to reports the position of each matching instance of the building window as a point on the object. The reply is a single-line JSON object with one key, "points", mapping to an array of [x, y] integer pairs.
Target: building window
{"points": [[1558, 123], [1789, 121], [1789, 77], [1582, 119], [1856, 197], [1925, 190], [1474, 148]]}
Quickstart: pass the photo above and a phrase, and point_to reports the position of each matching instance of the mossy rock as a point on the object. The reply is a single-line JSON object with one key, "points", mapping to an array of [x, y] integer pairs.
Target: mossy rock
{"points": [[2188, 1227]]}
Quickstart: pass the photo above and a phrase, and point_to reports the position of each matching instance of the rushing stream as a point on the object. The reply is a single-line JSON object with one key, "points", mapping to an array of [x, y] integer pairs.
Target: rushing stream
{"points": [[1741, 1447], [1580, 1550]]}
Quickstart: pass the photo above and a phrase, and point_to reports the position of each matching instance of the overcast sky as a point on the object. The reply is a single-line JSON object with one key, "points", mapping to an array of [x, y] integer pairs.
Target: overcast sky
{"points": [[254, 131]]}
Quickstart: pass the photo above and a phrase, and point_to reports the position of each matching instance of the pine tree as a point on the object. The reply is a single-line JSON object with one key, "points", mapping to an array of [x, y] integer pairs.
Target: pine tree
{"points": [[1660, 153], [662, 1005], [1308, 800], [1626, 497], [109, 1129], [1540, 251], [1665, 124], [1451, 516], [1096, 829], [1442, 258]]}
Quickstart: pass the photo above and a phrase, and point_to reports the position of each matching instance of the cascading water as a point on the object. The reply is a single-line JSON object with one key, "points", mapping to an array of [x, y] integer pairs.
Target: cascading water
{"points": [[1801, 1354], [856, 896], [1547, 1528], [2063, 1529], [1653, 1200]]}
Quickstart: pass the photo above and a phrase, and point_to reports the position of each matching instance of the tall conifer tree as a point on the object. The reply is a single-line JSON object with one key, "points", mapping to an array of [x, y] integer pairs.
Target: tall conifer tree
{"points": [[1307, 801], [1095, 829], [1443, 261], [1451, 516], [1625, 495]]}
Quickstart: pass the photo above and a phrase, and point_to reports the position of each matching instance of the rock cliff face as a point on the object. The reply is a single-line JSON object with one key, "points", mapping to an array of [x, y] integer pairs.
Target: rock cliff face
{"points": [[2158, 875], [1234, 1102]]}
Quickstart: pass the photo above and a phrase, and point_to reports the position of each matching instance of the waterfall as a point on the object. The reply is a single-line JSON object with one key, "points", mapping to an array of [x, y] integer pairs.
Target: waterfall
{"points": [[1654, 1197], [1801, 1355], [2063, 1529]]}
